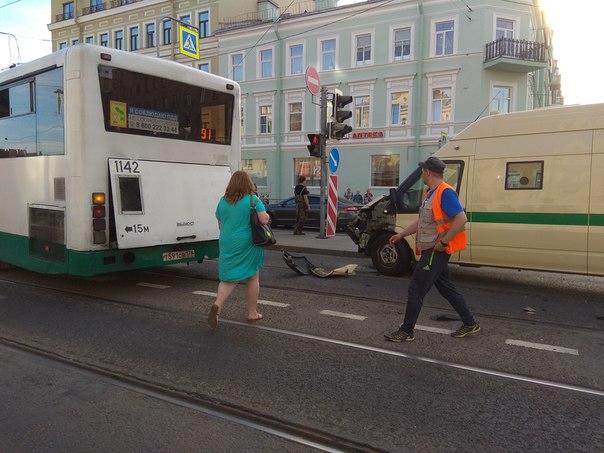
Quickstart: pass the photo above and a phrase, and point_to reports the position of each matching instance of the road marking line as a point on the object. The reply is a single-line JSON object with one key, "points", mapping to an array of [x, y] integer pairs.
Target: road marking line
{"points": [[204, 293], [473, 369], [434, 330], [272, 303], [545, 347], [343, 315], [260, 301], [152, 285]]}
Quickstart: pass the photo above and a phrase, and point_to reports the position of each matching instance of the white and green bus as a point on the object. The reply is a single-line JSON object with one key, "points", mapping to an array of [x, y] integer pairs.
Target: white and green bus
{"points": [[112, 161]]}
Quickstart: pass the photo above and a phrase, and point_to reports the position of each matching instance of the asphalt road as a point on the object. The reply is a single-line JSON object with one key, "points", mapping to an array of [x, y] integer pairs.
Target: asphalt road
{"points": [[77, 356]]}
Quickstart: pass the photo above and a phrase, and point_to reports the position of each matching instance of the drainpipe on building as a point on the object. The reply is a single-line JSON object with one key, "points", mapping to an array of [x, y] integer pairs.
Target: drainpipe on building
{"points": [[277, 118], [417, 95]]}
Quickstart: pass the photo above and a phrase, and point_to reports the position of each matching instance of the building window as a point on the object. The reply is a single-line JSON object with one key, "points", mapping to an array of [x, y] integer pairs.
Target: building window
{"points": [[205, 67], [104, 39], [385, 170], [504, 28], [204, 24], [502, 99], [186, 19], [96, 5], [441, 105], [524, 175], [295, 116], [89, 39], [75, 42], [167, 31], [256, 168], [119, 39], [444, 38], [62, 45], [266, 63], [402, 44], [150, 33], [296, 59], [237, 67], [363, 52], [68, 10], [399, 108], [361, 111], [309, 167], [328, 55], [134, 38], [266, 119]]}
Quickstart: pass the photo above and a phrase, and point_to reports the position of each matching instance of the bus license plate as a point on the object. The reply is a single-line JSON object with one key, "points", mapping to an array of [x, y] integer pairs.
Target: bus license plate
{"points": [[180, 255]]}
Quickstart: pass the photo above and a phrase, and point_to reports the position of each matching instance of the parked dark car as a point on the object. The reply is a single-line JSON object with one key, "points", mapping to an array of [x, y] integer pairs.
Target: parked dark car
{"points": [[284, 212]]}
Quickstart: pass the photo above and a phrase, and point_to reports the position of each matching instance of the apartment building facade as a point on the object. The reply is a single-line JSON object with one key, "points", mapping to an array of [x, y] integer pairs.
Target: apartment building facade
{"points": [[419, 72], [144, 26]]}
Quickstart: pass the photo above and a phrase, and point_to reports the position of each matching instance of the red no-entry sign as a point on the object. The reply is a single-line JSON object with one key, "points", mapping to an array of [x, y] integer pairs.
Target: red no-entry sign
{"points": [[312, 80]]}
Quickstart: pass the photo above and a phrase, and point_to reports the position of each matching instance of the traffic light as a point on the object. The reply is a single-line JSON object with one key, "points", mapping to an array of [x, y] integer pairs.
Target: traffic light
{"points": [[315, 145], [337, 128]]}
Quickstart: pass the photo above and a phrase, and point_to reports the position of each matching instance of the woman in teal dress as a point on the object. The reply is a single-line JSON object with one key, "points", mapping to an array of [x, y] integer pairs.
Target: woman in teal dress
{"points": [[239, 259]]}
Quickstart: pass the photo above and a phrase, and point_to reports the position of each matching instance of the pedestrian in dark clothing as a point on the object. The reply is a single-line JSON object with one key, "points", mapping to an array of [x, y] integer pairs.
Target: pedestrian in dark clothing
{"points": [[301, 193], [440, 230]]}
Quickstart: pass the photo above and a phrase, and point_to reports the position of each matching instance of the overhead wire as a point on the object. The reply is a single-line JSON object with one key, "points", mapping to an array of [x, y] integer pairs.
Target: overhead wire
{"points": [[8, 4], [308, 29], [260, 39]]}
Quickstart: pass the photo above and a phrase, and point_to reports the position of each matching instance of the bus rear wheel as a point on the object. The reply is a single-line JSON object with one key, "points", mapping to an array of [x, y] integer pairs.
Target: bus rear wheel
{"points": [[390, 260]]}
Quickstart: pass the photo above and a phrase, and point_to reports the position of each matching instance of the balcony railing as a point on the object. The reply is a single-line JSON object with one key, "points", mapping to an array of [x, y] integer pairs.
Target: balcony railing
{"points": [[96, 8], [520, 49], [116, 3], [64, 16]]}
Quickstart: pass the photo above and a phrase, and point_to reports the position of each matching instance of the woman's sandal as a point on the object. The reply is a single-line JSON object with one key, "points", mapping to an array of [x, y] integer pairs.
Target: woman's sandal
{"points": [[255, 319], [213, 316]]}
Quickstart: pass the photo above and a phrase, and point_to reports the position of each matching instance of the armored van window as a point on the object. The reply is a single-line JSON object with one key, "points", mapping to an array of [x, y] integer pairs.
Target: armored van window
{"points": [[524, 175]]}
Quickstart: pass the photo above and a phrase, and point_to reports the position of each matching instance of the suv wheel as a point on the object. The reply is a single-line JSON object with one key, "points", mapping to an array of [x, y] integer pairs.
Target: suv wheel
{"points": [[389, 260]]}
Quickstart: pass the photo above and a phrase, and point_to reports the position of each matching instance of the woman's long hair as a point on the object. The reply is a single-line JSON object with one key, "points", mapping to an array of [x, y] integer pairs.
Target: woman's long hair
{"points": [[239, 186]]}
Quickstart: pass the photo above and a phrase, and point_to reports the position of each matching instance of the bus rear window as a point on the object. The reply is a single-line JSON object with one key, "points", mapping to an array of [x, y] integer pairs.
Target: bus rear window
{"points": [[142, 104]]}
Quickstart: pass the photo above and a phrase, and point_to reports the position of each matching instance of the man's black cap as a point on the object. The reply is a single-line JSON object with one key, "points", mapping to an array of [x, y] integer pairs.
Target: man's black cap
{"points": [[433, 164]]}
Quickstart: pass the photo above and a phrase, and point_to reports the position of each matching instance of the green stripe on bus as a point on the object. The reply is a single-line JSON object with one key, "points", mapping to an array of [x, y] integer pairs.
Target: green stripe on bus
{"points": [[17, 250], [536, 218]]}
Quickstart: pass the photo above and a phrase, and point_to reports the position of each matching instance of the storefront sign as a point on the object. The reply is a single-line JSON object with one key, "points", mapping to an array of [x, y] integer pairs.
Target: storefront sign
{"points": [[371, 134]]}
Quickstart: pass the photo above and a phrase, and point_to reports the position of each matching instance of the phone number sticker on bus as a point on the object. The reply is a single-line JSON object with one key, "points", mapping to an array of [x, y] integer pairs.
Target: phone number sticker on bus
{"points": [[181, 254], [152, 120]]}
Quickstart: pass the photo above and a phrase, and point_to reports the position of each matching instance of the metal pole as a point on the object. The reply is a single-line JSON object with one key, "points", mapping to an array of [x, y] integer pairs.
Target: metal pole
{"points": [[324, 164]]}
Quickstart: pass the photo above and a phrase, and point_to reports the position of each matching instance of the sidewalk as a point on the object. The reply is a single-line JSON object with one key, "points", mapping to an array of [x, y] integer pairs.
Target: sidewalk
{"points": [[338, 245]]}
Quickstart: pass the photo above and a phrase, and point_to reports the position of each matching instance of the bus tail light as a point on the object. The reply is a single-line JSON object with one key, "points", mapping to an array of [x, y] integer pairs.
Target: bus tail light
{"points": [[99, 222]]}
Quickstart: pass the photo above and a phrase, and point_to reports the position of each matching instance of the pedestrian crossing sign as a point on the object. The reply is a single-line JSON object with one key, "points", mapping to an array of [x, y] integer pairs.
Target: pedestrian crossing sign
{"points": [[189, 42]]}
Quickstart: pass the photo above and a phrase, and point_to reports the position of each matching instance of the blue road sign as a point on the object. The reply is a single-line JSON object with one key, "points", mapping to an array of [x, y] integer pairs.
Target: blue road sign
{"points": [[189, 42], [334, 160]]}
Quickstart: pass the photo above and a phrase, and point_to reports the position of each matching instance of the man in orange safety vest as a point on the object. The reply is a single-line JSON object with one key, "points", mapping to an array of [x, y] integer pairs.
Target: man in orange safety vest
{"points": [[440, 230]]}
